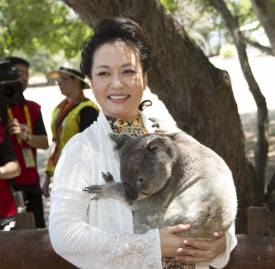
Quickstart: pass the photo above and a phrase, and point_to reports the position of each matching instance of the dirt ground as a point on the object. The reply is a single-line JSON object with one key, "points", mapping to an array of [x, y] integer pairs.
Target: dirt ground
{"points": [[263, 69]]}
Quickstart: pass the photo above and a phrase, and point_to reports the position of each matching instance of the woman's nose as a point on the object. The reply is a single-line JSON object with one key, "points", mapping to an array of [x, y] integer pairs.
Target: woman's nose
{"points": [[116, 82]]}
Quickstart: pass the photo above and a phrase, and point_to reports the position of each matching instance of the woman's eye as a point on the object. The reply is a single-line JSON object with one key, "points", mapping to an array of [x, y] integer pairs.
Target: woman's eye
{"points": [[128, 71], [102, 74]]}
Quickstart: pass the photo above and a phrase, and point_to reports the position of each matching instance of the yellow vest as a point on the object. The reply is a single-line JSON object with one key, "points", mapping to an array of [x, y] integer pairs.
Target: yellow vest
{"points": [[70, 127]]}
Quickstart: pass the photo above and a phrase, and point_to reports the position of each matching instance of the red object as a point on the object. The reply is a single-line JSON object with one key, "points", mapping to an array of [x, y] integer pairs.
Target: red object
{"points": [[7, 203], [28, 176]]}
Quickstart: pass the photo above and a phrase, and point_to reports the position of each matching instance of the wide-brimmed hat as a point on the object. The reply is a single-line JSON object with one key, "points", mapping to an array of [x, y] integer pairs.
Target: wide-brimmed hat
{"points": [[72, 69]]}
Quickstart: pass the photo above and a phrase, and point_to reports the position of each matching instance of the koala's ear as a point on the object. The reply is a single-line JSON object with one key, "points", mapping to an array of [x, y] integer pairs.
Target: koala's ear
{"points": [[120, 139], [157, 144]]}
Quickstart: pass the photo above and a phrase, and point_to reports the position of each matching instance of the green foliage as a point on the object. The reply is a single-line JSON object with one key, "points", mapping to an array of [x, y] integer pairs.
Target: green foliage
{"points": [[30, 25], [200, 18], [171, 5], [228, 50], [49, 31]]}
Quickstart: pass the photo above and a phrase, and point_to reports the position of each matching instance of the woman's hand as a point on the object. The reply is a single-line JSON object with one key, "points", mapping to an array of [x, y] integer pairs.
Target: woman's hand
{"points": [[170, 241], [202, 249]]}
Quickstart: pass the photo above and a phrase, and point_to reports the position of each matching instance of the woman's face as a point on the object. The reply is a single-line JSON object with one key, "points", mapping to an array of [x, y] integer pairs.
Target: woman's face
{"points": [[118, 80], [69, 86]]}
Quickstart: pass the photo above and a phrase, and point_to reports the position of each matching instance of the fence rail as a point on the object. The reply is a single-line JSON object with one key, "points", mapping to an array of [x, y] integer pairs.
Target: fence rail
{"points": [[31, 248]]}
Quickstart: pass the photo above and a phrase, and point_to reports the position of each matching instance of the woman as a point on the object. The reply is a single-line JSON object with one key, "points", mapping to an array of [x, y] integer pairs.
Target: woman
{"points": [[73, 115], [99, 234]]}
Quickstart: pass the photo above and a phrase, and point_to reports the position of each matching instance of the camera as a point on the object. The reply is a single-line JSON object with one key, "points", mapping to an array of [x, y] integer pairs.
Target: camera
{"points": [[11, 92]]}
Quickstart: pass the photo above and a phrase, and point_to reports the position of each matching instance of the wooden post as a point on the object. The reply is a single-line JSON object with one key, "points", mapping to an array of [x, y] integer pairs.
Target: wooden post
{"points": [[258, 220], [30, 249], [253, 252], [24, 220], [257, 249]]}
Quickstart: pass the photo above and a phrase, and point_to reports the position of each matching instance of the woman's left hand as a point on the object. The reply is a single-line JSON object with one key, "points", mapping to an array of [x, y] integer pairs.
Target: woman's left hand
{"points": [[202, 249]]}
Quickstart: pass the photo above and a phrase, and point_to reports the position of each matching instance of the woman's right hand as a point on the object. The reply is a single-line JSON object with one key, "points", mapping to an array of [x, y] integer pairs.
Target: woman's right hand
{"points": [[170, 242]]}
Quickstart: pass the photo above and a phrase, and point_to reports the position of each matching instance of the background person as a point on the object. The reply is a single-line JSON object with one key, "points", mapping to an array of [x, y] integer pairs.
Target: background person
{"points": [[27, 133], [9, 168], [73, 115], [116, 59]]}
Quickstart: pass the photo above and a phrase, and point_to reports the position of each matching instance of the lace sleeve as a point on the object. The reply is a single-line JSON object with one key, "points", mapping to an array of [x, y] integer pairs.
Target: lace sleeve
{"points": [[132, 251], [231, 241], [89, 247]]}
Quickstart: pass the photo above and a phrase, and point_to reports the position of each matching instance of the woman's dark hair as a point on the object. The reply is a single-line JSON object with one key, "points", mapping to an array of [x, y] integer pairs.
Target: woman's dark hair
{"points": [[113, 29]]}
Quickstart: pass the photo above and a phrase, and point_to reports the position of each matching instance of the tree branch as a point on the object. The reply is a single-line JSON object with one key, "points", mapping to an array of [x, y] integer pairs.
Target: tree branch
{"points": [[257, 45]]}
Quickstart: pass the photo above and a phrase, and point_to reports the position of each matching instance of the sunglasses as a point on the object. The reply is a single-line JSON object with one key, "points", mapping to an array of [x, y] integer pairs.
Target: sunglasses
{"points": [[62, 80]]}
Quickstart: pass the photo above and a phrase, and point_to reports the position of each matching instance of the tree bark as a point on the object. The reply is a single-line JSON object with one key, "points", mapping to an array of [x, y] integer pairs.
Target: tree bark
{"points": [[270, 199], [265, 10], [198, 95]]}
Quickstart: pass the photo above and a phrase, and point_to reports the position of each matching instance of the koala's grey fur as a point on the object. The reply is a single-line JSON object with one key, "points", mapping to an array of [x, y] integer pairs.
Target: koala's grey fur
{"points": [[170, 178]]}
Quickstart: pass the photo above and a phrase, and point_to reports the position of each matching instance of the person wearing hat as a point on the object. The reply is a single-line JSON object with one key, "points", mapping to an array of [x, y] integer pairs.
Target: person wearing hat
{"points": [[27, 134], [73, 115]]}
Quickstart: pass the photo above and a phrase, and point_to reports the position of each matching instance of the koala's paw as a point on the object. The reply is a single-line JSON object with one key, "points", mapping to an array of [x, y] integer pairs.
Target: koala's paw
{"points": [[160, 125], [96, 189], [111, 189], [107, 177], [164, 126]]}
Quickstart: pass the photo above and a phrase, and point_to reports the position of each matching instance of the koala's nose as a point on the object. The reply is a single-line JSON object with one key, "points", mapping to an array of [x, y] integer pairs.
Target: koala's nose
{"points": [[129, 191]]}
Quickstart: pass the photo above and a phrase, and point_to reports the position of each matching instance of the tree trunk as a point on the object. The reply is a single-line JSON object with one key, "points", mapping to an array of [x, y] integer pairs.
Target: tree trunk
{"points": [[261, 148], [270, 200], [265, 10], [197, 94]]}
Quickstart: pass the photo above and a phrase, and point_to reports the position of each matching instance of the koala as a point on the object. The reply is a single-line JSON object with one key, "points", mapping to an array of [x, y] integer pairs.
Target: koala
{"points": [[170, 178]]}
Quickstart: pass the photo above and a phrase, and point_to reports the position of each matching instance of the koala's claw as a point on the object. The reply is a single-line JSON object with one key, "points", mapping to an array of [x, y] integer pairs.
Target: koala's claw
{"points": [[96, 189], [95, 197], [93, 189], [108, 190], [155, 122], [107, 177], [164, 126], [160, 125]]}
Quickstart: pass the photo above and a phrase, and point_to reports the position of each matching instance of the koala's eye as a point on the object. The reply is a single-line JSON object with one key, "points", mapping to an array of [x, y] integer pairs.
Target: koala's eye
{"points": [[140, 179]]}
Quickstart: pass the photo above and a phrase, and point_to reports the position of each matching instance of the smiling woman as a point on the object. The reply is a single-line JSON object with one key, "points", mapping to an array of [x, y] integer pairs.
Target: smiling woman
{"points": [[118, 80], [116, 60]]}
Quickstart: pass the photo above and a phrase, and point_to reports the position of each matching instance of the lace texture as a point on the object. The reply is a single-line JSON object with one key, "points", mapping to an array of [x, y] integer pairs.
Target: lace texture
{"points": [[172, 264], [122, 248]]}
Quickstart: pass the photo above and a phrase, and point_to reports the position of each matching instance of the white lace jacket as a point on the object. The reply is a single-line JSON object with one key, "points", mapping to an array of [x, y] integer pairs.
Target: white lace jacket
{"points": [[99, 234]]}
